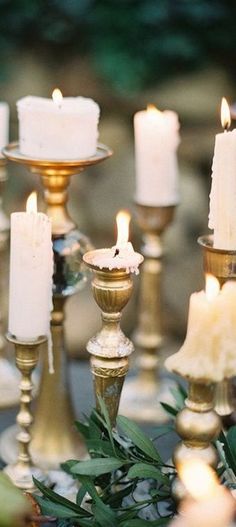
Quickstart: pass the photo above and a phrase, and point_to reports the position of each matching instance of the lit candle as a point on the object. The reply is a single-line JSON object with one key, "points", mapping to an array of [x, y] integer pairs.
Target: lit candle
{"points": [[31, 268], [58, 128], [208, 504], [222, 216], [4, 125], [208, 352], [156, 141], [121, 255]]}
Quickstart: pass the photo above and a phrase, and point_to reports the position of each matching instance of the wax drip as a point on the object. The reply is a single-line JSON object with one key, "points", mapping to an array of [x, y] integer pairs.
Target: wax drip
{"points": [[117, 252]]}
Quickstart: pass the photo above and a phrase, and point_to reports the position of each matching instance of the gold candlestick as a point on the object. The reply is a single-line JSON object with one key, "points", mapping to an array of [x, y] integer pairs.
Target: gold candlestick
{"points": [[110, 348], [26, 359], [69, 245], [9, 392], [222, 264], [142, 395]]}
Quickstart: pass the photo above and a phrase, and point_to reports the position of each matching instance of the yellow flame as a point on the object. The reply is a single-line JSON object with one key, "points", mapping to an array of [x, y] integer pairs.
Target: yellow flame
{"points": [[199, 479], [57, 96], [31, 203], [152, 109], [225, 114], [122, 222], [212, 287]]}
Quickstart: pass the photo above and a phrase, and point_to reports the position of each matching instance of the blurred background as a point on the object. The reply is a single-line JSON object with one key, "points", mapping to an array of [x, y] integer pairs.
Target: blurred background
{"points": [[178, 55]]}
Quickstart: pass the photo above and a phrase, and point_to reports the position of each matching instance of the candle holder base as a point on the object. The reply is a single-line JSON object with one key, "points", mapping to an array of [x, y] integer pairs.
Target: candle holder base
{"points": [[22, 476], [141, 400]]}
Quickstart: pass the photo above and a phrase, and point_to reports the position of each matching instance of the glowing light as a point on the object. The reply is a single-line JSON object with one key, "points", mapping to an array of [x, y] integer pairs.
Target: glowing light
{"points": [[57, 96], [122, 222], [225, 114], [199, 479], [31, 203], [212, 287]]}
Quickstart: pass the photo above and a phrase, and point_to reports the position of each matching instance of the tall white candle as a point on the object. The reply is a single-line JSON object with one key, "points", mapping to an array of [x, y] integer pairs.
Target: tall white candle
{"points": [[58, 128], [4, 125], [156, 141], [222, 216], [31, 268]]}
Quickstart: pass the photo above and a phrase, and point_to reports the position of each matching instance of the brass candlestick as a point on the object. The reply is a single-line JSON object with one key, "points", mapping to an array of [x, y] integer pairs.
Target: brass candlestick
{"points": [[9, 391], [69, 245], [222, 264], [110, 348], [142, 395], [26, 359]]}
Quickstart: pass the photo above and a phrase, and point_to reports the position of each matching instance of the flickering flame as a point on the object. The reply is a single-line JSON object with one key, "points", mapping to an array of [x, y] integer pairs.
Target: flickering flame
{"points": [[152, 109], [31, 203], [57, 96], [122, 222], [212, 287], [225, 114], [199, 479]]}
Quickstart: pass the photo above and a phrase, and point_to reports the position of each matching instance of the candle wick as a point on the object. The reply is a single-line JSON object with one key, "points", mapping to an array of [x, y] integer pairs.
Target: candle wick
{"points": [[117, 251], [226, 127]]}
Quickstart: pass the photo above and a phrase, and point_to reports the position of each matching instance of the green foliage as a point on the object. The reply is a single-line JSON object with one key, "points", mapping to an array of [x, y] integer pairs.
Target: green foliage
{"points": [[133, 44], [120, 460]]}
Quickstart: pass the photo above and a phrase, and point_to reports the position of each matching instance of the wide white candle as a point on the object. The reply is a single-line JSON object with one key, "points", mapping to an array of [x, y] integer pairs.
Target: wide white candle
{"points": [[208, 503], [31, 268], [222, 216], [58, 128], [208, 353], [121, 255], [156, 140], [4, 125]]}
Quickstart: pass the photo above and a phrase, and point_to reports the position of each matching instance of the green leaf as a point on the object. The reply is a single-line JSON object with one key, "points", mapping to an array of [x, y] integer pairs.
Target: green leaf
{"points": [[68, 465], [83, 429], [145, 471], [145, 523], [105, 414], [49, 508], [99, 446], [97, 467], [104, 515], [169, 409], [228, 453], [80, 495], [56, 498], [138, 437], [115, 500], [231, 438]]}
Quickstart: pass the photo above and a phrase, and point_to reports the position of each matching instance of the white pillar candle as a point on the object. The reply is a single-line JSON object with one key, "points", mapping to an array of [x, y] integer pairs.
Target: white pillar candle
{"points": [[31, 268], [222, 216], [121, 255], [208, 352], [58, 128], [4, 125], [156, 141]]}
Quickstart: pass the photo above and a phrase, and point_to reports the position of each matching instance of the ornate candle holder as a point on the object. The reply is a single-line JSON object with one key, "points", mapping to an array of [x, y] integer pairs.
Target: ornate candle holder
{"points": [[142, 394], [69, 245], [26, 359], [9, 392], [110, 348], [221, 264]]}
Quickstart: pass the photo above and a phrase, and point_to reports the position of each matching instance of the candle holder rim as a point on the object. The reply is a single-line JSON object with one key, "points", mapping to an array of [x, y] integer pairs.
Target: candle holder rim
{"points": [[12, 153], [36, 342], [115, 270], [206, 241]]}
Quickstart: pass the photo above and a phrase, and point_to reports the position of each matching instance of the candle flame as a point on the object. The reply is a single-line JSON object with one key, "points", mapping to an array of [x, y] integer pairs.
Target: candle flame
{"points": [[199, 479], [122, 222], [212, 287], [225, 114], [31, 203], [152, 109], [57, 96]]}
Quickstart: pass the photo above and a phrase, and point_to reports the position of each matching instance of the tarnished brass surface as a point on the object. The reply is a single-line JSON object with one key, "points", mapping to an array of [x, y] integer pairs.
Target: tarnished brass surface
{"points": [[26, 360], [110, 348], [198, 425], [142, 395], [222, 264], [61, 442]]}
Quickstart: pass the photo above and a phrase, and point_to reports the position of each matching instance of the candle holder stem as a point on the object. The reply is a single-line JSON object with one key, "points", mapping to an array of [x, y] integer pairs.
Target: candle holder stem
{"points": [[110, 348], [142, 395], [26, 360]]}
